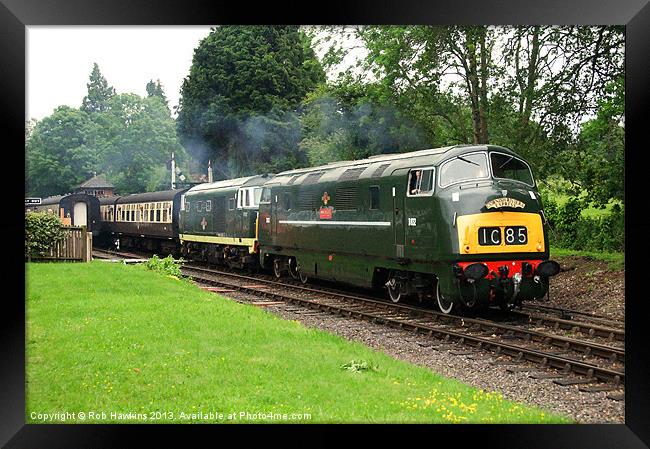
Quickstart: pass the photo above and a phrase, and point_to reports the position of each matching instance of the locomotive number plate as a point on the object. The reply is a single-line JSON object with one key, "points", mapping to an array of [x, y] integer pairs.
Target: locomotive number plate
{"points": [[516, 235], [489, 236], [512, 235]]}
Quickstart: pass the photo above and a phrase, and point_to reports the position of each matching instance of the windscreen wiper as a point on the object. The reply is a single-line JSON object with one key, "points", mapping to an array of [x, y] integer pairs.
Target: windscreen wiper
{"points": [[466, 160], [502, 165]]}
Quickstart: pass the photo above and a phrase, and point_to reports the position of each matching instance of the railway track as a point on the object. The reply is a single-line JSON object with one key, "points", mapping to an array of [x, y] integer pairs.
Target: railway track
{"points": [[603, 334], [566, 355], [593, 362], [570, 314], [109, 254]]}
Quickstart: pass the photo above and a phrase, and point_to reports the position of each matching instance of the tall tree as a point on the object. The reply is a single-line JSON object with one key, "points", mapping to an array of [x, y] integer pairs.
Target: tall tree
{"points": [[99, 92], [156, 90], [239, 73], [61, 152], [529, 87], [139, 139], [556, 77], [597, 163]]}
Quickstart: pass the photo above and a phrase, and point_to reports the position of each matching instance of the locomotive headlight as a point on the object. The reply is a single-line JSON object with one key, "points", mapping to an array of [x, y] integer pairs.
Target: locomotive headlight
{"points": [[476, 271], [548, 268]]}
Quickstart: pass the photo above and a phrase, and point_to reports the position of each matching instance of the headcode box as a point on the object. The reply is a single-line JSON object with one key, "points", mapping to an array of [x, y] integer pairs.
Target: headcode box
{"points": [[32, 201]]}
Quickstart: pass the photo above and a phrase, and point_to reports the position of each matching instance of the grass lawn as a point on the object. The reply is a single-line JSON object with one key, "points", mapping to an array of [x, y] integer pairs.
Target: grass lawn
{"points": [[615, 260], [109, 338]]}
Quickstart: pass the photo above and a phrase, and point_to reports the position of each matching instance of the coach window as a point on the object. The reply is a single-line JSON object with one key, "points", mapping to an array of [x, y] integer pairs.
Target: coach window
{"points": [[374, 197], [164, 215], [158, 215], [421, 182], [132, 215], [248, 198], [240, 197]]}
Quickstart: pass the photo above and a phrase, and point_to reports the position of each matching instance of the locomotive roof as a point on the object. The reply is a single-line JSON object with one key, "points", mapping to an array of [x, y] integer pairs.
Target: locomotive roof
{"points": [[163, 195], [381, 165], [255, 180]]}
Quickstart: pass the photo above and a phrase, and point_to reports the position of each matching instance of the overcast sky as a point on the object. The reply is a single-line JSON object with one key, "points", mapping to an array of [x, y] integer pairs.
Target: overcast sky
{"points": [[60, 59]]}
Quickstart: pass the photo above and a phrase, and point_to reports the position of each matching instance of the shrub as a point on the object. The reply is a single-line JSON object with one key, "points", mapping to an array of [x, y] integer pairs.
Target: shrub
{"points": [[168, 266], [569, 229], [42, 231]]}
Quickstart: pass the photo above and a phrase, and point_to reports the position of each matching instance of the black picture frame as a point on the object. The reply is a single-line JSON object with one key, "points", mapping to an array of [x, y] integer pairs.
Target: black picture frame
{"points": [[15, 15]]}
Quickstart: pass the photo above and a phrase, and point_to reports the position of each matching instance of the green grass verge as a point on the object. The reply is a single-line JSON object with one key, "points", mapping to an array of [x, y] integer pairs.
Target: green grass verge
{"points": [[615, 260], [590, 212], [108, 338]]}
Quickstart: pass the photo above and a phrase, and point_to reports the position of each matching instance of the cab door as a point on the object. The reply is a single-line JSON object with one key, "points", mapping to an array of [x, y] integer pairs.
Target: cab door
{"points": [[398, 219]]}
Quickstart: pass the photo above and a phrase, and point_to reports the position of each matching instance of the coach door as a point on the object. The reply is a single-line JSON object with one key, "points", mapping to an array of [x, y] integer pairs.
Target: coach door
{"points": [[398, 220], [80, 214]]}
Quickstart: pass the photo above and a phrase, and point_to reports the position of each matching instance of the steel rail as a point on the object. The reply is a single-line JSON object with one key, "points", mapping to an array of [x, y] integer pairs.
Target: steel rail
{"points": [[544, 359]]}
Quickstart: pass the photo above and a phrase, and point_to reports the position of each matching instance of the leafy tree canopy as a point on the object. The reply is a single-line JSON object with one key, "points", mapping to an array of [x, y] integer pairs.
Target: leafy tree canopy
{"points": [[246, 82], [62, 152], [126, 137], [156, 90], [99, 92]]}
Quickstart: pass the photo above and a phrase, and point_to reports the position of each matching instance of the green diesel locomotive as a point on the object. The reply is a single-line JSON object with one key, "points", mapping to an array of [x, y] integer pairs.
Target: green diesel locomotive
{"points": [[218, 221], [462, 225]]}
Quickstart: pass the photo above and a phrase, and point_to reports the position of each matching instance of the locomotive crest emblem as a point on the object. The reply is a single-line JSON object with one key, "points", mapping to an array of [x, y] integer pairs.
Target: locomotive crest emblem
{"points": [[498, 203], [325, 198]]}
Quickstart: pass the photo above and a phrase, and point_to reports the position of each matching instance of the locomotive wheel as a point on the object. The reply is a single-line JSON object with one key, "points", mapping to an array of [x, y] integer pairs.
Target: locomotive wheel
{"points": [[303, 276], [277, 271], [445, 306], [393, 287], [293, 268]]}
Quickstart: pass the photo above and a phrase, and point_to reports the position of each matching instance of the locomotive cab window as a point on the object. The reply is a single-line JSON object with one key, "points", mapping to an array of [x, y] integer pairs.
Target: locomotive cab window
{"points": [[257, 195], [265, 196], [509, 167], [374, 197], [467, 167], [421, 182]]}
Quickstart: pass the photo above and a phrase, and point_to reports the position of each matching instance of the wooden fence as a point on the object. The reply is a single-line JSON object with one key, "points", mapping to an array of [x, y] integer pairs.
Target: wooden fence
{"points": [[78, 245]]}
